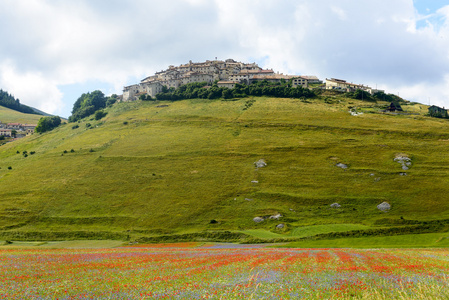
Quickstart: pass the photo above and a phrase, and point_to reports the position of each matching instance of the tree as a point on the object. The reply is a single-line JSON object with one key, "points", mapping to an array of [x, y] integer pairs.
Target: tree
{"points": [[226, 94], [87, 105], [360, 95], [10, 102], [13, 133], [99, 114], [111, 100], [47, 124]]}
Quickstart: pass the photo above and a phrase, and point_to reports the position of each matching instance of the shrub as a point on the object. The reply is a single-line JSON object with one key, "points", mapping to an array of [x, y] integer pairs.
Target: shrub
{"points": [[75, 126], [47, 124], [99, 114], [9, 168]]}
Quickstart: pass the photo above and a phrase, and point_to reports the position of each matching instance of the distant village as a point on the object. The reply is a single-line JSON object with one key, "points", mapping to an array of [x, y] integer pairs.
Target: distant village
{"points": [[227, 74], [16, 129]]}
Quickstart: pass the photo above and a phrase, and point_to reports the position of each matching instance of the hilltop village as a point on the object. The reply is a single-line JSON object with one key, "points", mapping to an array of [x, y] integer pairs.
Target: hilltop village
{"points": [[16, 129], [227, 73]]}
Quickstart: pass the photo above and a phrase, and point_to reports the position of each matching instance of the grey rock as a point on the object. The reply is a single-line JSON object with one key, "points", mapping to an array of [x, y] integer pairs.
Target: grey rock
{"points": [[402, 174], [405, 168], [335, 205], [280, 226], [258, 219], [341, 165], [248, 199], [260, 163], [384, 206], [275, 217], [254, 181], [402, 158]]}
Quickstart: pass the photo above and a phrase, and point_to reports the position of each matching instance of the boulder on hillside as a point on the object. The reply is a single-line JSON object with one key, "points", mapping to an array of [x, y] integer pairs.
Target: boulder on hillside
{"points": [[260, 163], [275, 217], [341, 165], [280, 226], [384, 206], [335, 205], [258, 219], [404, 160]]}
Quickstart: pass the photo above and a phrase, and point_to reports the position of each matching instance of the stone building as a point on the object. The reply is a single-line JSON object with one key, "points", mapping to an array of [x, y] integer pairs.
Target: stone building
{"points": [[226, 73]]}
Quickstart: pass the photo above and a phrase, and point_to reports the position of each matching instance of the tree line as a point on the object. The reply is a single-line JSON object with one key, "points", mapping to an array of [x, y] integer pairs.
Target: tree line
{"points": [[7, 100], [282, 89], [89, 103]]}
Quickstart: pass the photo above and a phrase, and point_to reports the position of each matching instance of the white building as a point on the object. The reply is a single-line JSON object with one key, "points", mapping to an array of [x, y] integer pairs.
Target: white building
{"points": [[5, 132], [343, 86], [226, 72]]}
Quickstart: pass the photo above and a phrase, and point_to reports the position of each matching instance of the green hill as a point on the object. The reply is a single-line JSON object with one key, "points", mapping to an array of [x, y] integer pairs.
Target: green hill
{"points": [[11, 116], [185, 170]]}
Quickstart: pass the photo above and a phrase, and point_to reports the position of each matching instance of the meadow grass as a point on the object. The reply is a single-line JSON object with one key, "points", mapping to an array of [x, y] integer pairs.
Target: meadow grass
{"points": [[11, 116], [432, 240], [193, 271], [158, 168]]}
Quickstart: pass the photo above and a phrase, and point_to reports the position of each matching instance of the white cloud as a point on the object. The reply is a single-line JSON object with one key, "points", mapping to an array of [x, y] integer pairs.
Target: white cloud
{"points": [[38, 91], [52, 43]]}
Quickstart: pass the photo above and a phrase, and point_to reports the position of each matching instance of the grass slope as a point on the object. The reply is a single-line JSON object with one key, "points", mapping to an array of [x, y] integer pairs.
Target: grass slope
{"points": [[160, 168], [11, 116]]}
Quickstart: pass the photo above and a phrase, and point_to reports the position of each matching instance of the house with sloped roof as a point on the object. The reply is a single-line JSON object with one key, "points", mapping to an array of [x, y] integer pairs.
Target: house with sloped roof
{"points": [[5, 132], [437, 112], [344, 86], [394, 107]]}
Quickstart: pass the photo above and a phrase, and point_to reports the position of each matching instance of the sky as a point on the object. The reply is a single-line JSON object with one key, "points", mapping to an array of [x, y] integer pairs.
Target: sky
{"points": [[52, 51]]}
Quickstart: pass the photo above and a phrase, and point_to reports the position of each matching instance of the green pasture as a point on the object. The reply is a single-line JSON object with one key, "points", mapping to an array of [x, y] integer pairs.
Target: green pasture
{"points": [[160, 168], [428, 240], [11, 116]]}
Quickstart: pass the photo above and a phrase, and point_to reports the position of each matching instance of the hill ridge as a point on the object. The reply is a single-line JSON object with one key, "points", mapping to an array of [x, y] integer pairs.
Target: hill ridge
{"points": [[145, 172]]}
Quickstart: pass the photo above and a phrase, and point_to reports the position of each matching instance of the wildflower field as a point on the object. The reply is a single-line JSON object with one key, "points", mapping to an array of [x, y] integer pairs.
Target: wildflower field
{"points": [[194, 271]]}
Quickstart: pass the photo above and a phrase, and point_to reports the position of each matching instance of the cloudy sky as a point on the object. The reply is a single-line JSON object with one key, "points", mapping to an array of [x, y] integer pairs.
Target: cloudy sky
{"points": [[52, 51]]}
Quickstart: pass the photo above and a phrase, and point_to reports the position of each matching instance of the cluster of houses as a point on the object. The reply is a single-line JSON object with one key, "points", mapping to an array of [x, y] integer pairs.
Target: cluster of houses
{"points": [[344, 86], [227, 73], [16, 129]]}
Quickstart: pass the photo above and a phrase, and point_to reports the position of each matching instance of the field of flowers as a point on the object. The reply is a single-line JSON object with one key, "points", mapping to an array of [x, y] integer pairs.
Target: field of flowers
{"points": [[192, 271]]}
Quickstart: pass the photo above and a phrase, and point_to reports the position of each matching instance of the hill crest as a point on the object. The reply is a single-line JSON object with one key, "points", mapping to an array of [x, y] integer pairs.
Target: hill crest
{"points": [[161, 170]]}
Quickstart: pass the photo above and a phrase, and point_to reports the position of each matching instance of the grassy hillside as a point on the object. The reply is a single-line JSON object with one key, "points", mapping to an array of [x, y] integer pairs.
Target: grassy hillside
{"points": [[11, 116], [161, 170]]}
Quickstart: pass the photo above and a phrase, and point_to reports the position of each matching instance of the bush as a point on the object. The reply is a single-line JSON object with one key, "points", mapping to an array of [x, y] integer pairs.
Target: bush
{"points": [[87, 105], [75, 126], [47, 124], [99, 114]]}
